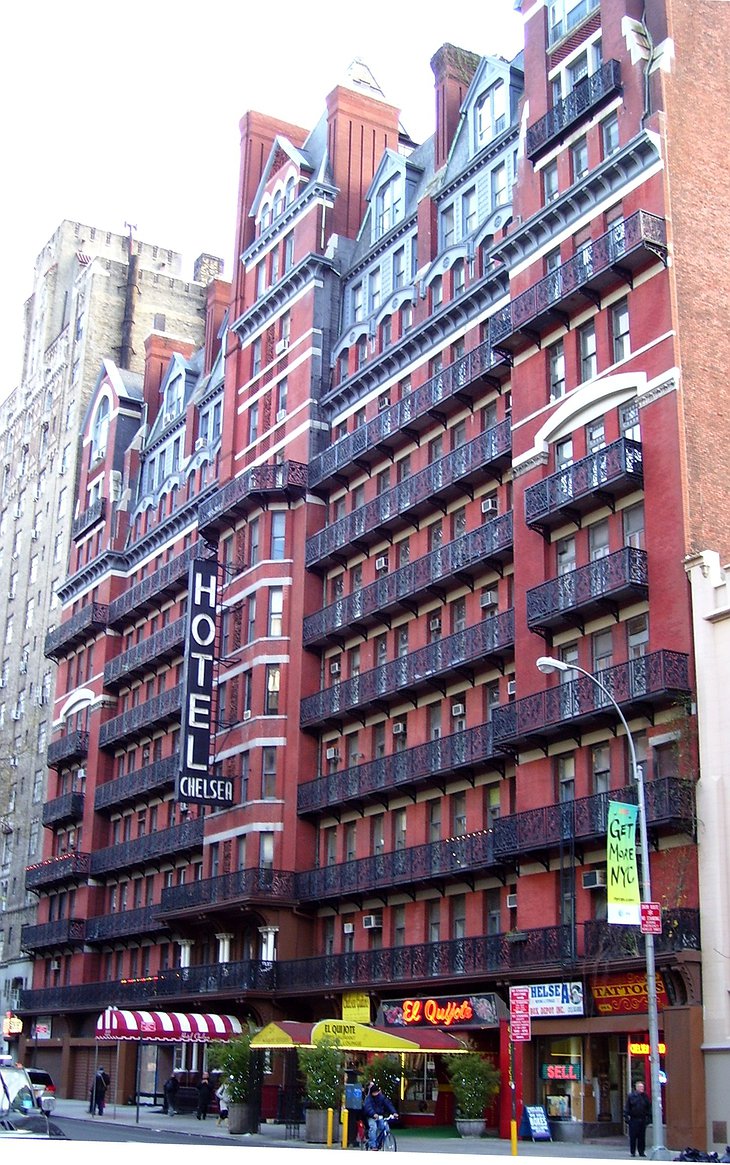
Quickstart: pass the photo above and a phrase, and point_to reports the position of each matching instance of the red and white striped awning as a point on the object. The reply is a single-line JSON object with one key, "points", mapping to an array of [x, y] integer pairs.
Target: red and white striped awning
{"points": [[165, 1026]]}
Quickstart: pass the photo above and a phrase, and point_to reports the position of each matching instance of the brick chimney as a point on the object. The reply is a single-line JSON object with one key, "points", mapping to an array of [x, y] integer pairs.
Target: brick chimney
{"points": [[218, 299], [453, 70], [359, 130]]}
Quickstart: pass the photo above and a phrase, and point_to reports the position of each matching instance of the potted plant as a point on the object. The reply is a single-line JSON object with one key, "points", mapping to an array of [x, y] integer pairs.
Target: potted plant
{"points": [[474, 1082], [233, 1060], [322, 1067]]}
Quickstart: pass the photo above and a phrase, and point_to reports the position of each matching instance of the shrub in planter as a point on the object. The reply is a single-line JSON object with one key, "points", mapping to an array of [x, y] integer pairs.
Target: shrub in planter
{"points": [[322, 1067], [474, 1081], [233, 1060]]}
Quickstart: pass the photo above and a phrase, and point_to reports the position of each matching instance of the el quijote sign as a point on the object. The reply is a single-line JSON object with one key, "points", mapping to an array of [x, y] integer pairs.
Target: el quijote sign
{"points": [[195, 783]]}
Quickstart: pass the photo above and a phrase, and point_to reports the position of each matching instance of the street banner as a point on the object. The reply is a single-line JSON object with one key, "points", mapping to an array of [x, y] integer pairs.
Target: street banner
{"points": [[624, 898]]}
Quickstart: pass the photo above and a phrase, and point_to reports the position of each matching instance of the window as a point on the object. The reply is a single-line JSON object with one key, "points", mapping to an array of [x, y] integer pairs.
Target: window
{"points": [[273, 684], [468, 212], [491, 114], [556, 370], [268, 774], [637, 635], [458, 916], [601, 767], [437, 293], [458, 818], [261, 279], [499, 185], [633, 520], [587, 348], [361, 352], [256, 356], [399, 267], [276, 610], [253, 541], [566, 778], [609, 135], [253, 422], [629, 421], [282, 392], [278, 534], [377, 836], [266, 850], [579, 159], [374, 290], [100, 430], [598, 541], [458, 277], [564, 15], [399, 829], [389, 207], [602, 645], [550, 187], [620, 331], [288, 252], [446, 225]]}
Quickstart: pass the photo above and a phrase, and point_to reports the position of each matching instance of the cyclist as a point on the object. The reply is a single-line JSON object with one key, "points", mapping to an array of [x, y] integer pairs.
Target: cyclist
{"points": [[376, 1107]]}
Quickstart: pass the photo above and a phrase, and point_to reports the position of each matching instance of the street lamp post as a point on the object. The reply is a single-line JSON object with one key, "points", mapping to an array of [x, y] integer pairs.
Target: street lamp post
{"points": [[547, 664]]}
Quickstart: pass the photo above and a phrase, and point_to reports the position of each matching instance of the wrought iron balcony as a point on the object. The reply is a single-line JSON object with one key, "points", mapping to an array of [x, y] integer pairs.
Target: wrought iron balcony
{"points": [[162, 709], [411, 769], [670, 808], [457, 859], [70, 747], [397, 423], [288, 480], [602, 585], [258, 885], [95, 513], [152, 778], [68, 807], [617, 254], [582, 102], [653, 681], [491, 639], [68, 867], [680, 932], [62, 932], [164, 644], [75, 630], [595, 480], [178, 839], [82, 996], [487, 547], [142, 920], [450, 476], [162, 583]]}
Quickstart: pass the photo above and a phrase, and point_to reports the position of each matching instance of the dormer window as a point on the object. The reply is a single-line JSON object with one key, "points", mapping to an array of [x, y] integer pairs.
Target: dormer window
{"points": [[491, 114], [291, 190], [389, 205], [265, 216], [278, 204], [100, 431]]}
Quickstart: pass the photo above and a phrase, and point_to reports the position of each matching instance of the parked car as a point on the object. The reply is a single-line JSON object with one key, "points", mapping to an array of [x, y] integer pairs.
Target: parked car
{"points": [[19, 1116], [42, 1082]]}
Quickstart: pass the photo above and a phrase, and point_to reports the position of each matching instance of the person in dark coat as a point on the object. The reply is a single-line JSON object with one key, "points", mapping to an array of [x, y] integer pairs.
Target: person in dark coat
{"points": [[376, 1107], [171, 1088], [98, 1092], [205, 1093], [637, 1114]]}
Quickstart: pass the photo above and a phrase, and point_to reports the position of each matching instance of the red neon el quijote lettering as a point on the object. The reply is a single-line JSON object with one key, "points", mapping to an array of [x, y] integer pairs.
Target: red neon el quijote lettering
{"points": [[441, 1015]]}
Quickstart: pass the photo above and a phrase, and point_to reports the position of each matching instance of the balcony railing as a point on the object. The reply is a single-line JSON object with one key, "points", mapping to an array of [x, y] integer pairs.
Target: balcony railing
{"points": [[589, 272], [602, 476], [600, 586], [492, 638], [70, 866], [60, 932], [165, 643], [75, 630], [449, 475], [141, 920], [162, 708], [152, 778], [441, 861], [488, 546], [95, 513], [419, 405], [655, 680], [259, 884], [680, 932], [411, 769], [290, 479], [69, 747], [68, 807], [583, 100], [162, 582], [670, 805], [177, 839]]}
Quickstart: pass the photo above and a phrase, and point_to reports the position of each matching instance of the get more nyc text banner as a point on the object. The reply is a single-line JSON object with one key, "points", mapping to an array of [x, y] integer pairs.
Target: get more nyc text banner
{"points": [[624, 898]]}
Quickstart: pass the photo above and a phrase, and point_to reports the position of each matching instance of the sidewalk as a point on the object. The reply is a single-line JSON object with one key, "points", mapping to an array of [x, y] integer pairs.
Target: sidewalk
{"points": [[409, 1140]]}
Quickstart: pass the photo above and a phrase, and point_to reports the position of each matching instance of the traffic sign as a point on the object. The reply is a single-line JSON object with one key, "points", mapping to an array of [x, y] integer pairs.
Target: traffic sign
{"points": [[651, 918]]}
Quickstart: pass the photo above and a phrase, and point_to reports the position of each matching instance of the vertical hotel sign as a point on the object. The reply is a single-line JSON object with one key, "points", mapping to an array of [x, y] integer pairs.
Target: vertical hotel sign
{"points": [[624, 899], [195, 782]]}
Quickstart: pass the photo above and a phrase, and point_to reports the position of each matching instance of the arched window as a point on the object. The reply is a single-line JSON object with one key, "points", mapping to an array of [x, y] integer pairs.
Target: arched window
{"points": [[291, 189], [100, 430], [277, 204], [265, 216]]}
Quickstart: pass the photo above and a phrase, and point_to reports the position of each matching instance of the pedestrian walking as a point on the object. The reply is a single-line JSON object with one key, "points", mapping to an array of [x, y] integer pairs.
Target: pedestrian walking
{"points": [[224, 1100], [170, 1089], [637, 1114], [205, 1093], [97, 1097]]}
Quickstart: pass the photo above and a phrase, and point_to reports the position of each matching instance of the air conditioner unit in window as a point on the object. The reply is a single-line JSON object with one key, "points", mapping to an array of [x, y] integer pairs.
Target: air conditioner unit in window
{"points": [[511, 901], [383, 403], [381, 563], [13, 762], [348, 928], [594, 879], [167, 417], [489, 506], [332, 754], [372, 922], [183, 806], [281, 415], [398, 728], [457, 710], [35, 534], [334, 668], [200, 443], [281, 346], [55, 964], [435, 624], [247, 714], [488, 599], [511, 687]]}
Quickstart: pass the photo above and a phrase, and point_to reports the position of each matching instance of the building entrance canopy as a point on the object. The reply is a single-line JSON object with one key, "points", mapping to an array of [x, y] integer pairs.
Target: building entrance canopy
{"points": [[358, 1037], [165, 1026]]}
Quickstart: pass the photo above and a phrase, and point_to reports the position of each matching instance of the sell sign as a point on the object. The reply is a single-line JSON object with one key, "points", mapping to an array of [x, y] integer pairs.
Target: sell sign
{"points": [[195, 782]]}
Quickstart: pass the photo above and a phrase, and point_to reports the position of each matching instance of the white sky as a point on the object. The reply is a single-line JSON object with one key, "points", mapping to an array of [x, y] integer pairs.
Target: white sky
{"points": [[117, 112]]}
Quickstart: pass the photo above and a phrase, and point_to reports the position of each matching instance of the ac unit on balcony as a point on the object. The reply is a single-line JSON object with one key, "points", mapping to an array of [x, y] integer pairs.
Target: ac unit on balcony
{"points": [[247, 714], [488, 599], [332, 754], [381, 563], [281, 415], [398, 728], [511, 687], [348, 928], [594, 879], [511, 901], [457, 710], [372, 922], [334, 668], [435, 624], [489, 506], [281, 346], [200, 443]]}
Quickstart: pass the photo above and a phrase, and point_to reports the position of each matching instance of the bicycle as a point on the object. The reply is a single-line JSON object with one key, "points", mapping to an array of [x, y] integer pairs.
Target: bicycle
{"points": [[385, 1142]]}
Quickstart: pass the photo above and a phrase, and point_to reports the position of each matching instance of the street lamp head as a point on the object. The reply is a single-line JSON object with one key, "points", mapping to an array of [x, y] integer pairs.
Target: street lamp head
{"points": [[546, 664]]}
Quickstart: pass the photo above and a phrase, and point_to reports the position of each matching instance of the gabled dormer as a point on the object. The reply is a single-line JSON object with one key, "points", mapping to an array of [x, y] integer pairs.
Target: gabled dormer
{"points": [[491, 103], [286, 171], [392, 195]]}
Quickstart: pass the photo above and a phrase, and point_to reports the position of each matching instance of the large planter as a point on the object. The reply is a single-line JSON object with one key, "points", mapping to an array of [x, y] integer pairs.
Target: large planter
{"points": [[470, 1128], [316, 1126], [240, 1119]]}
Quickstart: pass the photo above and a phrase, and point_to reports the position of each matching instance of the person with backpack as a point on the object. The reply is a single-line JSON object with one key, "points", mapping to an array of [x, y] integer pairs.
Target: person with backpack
{"points": [[637, 1114], [98, 1092]]}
